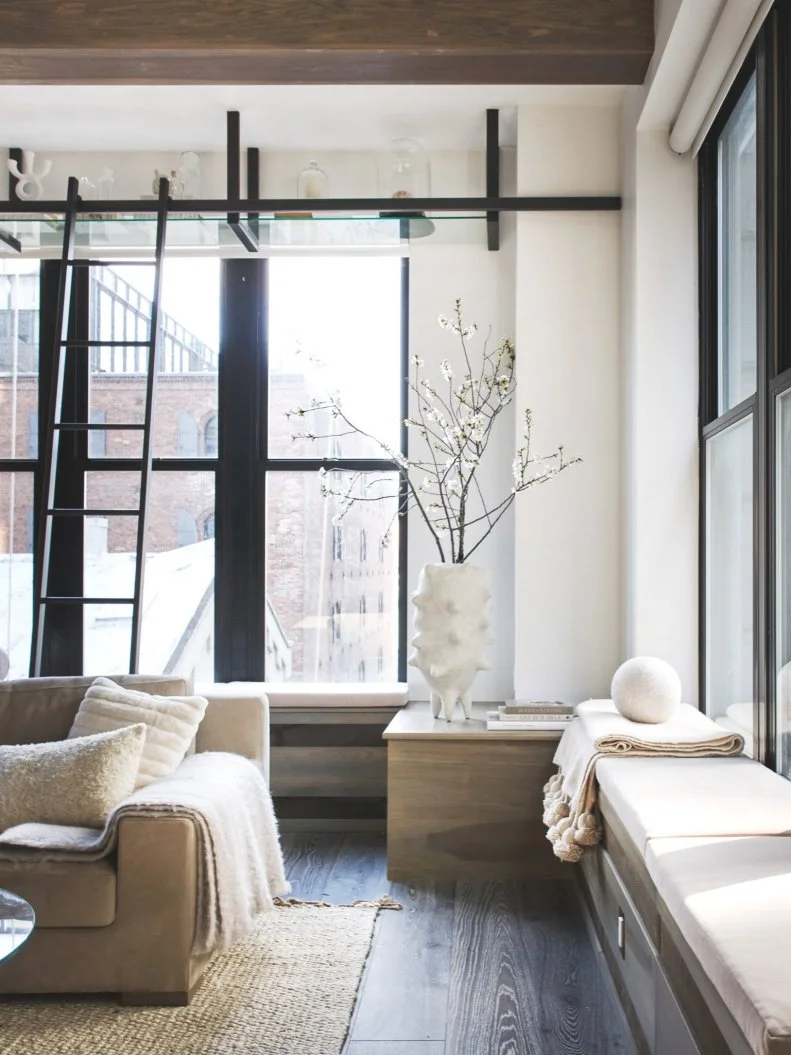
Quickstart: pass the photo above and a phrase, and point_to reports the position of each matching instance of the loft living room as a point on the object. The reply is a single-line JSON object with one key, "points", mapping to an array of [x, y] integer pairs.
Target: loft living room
{"points": [[317, 734]]}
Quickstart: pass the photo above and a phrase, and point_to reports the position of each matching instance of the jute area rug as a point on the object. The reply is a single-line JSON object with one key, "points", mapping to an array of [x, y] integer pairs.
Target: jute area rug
{"points": [[288, 989]]}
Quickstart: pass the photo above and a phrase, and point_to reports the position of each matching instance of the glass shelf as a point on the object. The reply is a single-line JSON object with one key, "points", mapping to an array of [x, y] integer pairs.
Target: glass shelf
{"points": [[41, 235]]}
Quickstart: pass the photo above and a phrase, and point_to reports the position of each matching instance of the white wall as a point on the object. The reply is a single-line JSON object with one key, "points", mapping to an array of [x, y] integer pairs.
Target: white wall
{"points": [[660, 440], [567, 568], [484, 282], [660, 354]]}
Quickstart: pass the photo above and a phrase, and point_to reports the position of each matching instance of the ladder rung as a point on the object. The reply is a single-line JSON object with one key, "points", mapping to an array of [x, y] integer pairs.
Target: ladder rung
{"points": [[87, 600], [83, 426], [93, 512], [112, 263], [105, 344]]}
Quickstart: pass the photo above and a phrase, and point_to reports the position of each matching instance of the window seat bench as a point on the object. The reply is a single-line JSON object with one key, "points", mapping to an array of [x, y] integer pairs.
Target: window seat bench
{"points": [[690, 898]]}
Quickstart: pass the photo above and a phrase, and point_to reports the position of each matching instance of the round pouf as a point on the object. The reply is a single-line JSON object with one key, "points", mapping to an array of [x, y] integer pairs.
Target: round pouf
{"points": [[645, 689]]}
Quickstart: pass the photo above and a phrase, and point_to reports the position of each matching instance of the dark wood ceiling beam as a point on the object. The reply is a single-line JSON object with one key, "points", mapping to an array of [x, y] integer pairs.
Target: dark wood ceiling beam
{"points": [[326, 41]]}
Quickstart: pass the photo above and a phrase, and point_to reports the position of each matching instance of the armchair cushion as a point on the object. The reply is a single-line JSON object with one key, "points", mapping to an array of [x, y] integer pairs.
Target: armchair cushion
{"points": [[170, 722], [74, 782]]}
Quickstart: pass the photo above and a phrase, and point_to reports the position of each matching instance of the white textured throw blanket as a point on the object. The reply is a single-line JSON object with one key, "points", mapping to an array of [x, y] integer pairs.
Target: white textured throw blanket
{"points": [[240, 866], [599, 730]]}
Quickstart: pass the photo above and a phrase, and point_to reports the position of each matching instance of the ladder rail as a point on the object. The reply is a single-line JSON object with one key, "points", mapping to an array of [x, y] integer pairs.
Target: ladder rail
{"points": [[148, 418], [52, 435], [55, 428]]}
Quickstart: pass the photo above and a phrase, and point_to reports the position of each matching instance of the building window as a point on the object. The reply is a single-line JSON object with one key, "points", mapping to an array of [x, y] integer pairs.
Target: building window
{"points": [[32, 434], [188, 435], [380, 660], [210, 437], [186, 528], [97, 438], [381, 604], [337, 542], [363, 546], [335, 621], [361, 670], [208, 526]]}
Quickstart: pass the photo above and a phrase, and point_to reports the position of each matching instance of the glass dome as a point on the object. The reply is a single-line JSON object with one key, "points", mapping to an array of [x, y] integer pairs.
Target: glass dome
{"points": [[404, 171]]}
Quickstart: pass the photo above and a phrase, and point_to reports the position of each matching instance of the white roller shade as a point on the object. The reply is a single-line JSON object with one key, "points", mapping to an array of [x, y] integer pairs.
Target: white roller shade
{"points": [[732, 38]]}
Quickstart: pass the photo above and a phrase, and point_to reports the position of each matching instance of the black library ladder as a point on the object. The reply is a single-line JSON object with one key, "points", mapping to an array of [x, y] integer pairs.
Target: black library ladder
{"points": [[54, 427]]}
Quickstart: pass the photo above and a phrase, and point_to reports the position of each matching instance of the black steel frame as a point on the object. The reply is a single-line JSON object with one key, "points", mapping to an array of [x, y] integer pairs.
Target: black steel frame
{"points": [[244, 464], [770, 62], [240, 469]]}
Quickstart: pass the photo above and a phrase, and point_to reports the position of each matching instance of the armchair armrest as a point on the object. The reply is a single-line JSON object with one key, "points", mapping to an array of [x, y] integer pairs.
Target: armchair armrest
{"points": [[236, 720]]}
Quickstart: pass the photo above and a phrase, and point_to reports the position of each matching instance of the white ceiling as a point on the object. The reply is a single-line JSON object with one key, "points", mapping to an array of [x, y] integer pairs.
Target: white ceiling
{"points": [[281, 117]]}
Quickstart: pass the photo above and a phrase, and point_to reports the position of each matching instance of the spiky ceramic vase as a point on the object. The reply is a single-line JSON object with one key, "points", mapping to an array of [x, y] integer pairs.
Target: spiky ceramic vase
{"points": [[452, 609]]}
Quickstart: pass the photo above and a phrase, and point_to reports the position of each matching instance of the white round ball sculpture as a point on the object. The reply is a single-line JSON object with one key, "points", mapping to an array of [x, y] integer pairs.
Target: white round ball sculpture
{"points": [[646, 690]]}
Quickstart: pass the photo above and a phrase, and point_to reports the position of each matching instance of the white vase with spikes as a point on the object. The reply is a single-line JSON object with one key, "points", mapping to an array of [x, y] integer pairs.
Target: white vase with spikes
{"points": [[452, 613]]}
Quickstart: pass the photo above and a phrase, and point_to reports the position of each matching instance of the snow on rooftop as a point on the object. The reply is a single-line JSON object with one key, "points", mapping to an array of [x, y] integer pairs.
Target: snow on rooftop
{"points": [[178, 590]]}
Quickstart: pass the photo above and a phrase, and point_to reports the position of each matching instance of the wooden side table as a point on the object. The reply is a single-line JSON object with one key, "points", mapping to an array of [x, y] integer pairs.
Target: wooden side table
{"points": [[464, 802]]}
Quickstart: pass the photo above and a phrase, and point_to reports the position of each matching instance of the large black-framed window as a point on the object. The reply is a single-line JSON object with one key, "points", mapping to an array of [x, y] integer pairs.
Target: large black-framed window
{"points": [[745, 401], [269, 503], [217, 496]]}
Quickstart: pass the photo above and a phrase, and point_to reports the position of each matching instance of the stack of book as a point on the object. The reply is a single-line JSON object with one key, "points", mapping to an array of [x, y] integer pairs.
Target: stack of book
{"points": [[519, 715]]}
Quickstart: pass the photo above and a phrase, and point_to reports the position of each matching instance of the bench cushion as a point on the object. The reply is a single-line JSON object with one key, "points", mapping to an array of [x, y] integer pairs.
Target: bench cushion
{"points": [[731, 898], [665, 797], [65, 893]]}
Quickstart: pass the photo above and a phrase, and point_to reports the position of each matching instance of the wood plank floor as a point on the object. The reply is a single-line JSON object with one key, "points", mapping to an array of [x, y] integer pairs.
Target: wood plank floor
{"points": [[496, 968]]}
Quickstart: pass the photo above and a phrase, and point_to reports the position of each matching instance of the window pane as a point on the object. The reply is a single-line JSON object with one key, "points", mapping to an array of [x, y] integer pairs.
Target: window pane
{"points": [[737, 254], [16, 573], [334, 327], [784, 584], [729, 576], [325, 619], [178, 597], [19, 334], [185, 415], [178, 608]]}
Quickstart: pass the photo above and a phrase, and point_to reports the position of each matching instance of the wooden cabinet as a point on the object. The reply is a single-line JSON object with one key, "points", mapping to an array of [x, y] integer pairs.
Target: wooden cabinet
{"points": [[672, 1032], [464, 802], [631, 948], [631, 953]]}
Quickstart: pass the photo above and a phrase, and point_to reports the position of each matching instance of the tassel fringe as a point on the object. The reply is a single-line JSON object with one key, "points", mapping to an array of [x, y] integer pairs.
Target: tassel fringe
{"points": [[383, 902]]}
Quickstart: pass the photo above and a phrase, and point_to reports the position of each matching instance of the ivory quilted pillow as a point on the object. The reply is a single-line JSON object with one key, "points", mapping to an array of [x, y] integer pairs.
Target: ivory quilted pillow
{"points": [[76, 782], [171, 723]]}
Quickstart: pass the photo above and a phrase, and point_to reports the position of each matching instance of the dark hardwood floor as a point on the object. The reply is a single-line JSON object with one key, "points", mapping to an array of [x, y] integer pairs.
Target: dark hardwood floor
{"points": [[495, 968]]}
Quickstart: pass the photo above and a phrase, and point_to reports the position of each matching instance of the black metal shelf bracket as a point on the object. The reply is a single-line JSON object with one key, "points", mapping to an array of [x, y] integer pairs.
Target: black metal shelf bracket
{"points": [[233, 167], [493, 177]]}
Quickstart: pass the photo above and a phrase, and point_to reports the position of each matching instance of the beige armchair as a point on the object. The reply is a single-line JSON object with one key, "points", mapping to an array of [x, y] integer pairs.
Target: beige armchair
{"points": [[124, 924]]}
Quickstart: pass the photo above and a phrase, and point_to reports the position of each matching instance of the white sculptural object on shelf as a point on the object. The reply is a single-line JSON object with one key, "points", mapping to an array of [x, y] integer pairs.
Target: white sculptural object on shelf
{"points": [[29, 185], [452, 610]]}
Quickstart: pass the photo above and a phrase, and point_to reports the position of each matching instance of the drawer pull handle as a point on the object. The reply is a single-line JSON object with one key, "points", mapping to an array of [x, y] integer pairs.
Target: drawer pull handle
{"points": [[622, 933]]}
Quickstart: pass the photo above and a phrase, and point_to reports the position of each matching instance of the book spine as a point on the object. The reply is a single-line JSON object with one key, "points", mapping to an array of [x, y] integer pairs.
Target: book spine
{"points": [[515, 727], [538, 716], [536, 708]]}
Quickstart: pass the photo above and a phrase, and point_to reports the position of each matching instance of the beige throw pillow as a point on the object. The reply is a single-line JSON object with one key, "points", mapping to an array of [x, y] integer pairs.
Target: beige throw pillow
{"points": [[76, 782], [171, 723]]}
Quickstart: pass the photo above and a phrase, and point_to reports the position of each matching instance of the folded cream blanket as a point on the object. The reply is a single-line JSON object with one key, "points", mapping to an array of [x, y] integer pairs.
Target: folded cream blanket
{"points": [[240, 866], [599, 730]]}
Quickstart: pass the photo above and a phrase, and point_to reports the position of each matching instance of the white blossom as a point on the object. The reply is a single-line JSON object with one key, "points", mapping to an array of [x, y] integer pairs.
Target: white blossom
{"points": [[446, 369]]}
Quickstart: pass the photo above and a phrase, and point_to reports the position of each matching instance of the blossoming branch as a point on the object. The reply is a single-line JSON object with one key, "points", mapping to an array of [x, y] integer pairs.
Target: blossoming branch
{"points": [[453, 421]]}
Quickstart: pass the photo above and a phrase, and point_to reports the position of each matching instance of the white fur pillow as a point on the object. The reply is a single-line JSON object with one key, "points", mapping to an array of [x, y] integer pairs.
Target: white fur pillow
{"points": [[171, 723], [75, 782]]}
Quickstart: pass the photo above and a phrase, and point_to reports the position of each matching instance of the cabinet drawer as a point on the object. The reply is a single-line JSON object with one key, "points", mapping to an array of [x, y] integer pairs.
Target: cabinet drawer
{"points": [[625, 935], [672, 1033]]}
